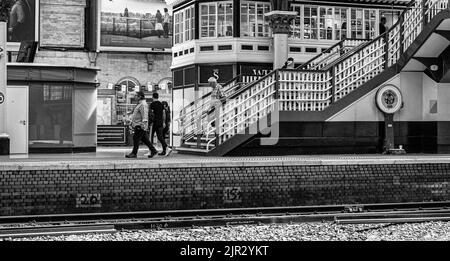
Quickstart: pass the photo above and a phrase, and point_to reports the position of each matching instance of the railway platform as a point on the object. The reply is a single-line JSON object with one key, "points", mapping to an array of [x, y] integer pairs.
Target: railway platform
{"points": [[107, 182]]}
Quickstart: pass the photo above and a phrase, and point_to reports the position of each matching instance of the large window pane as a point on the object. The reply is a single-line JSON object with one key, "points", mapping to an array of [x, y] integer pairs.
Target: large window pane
{"points": [[50, 115], [253, 22]]}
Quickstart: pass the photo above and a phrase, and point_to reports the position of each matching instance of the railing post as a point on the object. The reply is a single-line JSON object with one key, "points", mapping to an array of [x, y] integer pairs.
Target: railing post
{"points": [[277, 85], [386, 50], [424, 13], [402, 31], [333, 84]]}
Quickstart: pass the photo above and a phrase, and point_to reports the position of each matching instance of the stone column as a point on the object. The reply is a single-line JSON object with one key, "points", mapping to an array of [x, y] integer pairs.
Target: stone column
{"points": [[280, 22]]}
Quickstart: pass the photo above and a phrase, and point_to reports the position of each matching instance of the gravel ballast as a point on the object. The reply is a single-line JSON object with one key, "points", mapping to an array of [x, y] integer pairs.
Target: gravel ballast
{"points": [[433, 231]]}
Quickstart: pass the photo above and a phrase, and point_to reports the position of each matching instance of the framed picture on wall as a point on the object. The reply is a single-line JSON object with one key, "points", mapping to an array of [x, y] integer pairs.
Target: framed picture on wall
{"points": [[23, 23], [135, 25]]}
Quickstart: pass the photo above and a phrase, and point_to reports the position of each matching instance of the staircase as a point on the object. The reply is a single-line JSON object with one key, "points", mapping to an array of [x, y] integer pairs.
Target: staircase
{"points": [[322, 86]]}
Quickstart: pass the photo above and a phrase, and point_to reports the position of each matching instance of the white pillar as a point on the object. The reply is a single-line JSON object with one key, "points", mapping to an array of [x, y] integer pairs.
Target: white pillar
{"points": [[3, 59], [280, 22], [281, 50]]}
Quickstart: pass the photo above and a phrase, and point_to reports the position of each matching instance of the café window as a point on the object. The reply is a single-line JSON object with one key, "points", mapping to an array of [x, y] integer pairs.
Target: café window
{"points": [[326, 23], [216, 19], [356, 21], [184, 25], [310, 22], [253, 23], [370, 22], [334, 23], [340, 23]]}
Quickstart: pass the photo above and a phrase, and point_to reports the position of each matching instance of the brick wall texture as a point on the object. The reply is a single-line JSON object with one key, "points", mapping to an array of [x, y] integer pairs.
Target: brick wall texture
{"points": [[62, 23], [57, 191]]}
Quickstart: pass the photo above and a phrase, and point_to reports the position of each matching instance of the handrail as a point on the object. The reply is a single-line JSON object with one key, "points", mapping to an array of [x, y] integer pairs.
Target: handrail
{"points": [[209, 93], [327, 51]]}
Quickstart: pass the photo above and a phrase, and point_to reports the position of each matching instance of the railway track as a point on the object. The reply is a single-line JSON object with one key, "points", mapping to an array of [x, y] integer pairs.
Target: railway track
{"points": [[51, 225]]}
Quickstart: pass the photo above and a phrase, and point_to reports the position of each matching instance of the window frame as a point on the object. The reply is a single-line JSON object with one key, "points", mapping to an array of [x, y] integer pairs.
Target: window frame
{"points": [[216, 20], [266, 31], [299, 30]]}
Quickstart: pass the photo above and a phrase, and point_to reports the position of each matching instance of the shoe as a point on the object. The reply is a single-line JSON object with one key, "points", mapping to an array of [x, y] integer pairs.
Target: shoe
{"points": [[169, 151], [162, 153], [131, 156], [152, 155]]}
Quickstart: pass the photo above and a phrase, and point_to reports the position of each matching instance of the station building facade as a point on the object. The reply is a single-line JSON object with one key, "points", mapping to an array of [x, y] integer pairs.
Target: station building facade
{"points": [[226, 39], [117, 39]]}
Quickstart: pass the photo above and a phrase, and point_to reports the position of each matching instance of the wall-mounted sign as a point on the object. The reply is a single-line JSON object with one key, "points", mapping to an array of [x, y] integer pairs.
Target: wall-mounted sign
{"points": [[2, 98], [256, 69], [232, 195], [88, 201], [135, 24], [223, 73], [389, 99]]}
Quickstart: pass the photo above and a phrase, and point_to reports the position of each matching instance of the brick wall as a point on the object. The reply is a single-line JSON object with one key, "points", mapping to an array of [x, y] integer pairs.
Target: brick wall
{"points": [[59, 191], [62, 23]]}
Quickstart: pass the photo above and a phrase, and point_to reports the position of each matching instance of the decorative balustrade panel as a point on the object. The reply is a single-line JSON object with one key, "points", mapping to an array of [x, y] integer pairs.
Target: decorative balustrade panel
{"points": [[394, 44], [304, 90], [240, 112], [331, 55], [433, 7], [359, 68], [412, 23]]}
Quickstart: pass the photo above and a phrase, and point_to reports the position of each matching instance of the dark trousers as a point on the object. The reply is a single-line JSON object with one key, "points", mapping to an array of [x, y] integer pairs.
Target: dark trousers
{"points": [[141, 135], [166, 30], [159, 130]]}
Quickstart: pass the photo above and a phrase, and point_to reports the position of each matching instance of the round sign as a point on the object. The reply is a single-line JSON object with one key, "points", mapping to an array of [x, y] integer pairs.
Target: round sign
{"points": [[2, 98], [389, 99]]}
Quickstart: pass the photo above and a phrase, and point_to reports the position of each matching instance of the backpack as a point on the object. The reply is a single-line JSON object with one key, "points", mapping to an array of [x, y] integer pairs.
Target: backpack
{"points": [[151, 116]]}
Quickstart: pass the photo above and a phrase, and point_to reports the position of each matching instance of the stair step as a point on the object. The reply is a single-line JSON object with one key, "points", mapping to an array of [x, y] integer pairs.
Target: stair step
{"points": [[192, 151], [194, 144]]}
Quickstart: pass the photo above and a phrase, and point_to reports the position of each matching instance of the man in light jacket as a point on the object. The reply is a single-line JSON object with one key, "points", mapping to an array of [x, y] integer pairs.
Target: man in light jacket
{"points": [[139, 123]]}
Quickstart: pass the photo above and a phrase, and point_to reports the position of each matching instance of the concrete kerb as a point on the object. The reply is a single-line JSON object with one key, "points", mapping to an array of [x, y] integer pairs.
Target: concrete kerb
{"points": [[215, 163]]}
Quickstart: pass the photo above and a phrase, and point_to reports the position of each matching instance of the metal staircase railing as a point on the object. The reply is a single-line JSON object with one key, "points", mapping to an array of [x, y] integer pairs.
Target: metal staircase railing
{"points": [[316, 90]]}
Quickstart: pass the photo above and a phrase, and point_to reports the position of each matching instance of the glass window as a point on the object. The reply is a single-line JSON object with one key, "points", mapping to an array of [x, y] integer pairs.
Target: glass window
{"points": [[340, 23], [297, 23], [370, 21], [356, 21], [334, 23], [253, 22], [50, 115], [310, 22], [184, 25], [216, 19], [326, 23], [225, 20]]}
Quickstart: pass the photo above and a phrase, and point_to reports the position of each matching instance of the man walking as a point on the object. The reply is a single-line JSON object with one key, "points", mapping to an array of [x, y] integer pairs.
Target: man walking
{"points": [[139, 123], [159, 124]]}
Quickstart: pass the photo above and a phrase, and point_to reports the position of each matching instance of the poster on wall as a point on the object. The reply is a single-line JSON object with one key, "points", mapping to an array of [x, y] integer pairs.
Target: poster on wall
{"points": [[22, 20], [135, 24]]}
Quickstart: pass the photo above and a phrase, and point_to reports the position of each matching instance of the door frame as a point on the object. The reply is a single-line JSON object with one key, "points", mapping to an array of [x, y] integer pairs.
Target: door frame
{"points": [[27, 104]]}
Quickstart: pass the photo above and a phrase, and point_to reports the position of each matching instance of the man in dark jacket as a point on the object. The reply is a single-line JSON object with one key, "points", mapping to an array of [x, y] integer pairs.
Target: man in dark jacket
{"points": [[139, 123], [159, 124]]}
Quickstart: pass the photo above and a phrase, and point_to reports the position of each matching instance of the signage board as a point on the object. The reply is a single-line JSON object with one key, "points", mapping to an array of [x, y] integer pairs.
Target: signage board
{"points": [[223, 73]]}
